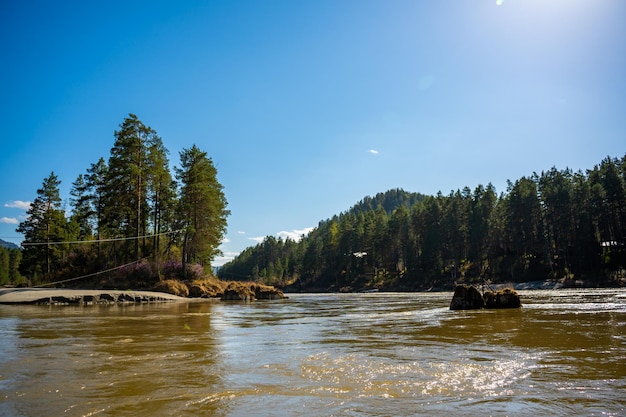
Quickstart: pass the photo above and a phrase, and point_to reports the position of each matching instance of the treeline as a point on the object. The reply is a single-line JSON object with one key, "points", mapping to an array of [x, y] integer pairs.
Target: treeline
{"points": [[128, 210], [9, 265], [558, 224]]}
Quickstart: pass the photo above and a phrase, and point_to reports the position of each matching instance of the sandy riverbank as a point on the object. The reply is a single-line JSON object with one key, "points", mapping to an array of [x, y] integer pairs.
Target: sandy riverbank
{"points": [[69, 296]]}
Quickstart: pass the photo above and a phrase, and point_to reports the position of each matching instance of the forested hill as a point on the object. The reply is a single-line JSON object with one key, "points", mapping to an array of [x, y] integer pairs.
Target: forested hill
{"points": [[558, 224], [388, 201], [8, 245]]}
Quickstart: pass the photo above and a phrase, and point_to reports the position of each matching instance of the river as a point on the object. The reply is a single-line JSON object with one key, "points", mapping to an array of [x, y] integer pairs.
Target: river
{"points": [[381, 354]]}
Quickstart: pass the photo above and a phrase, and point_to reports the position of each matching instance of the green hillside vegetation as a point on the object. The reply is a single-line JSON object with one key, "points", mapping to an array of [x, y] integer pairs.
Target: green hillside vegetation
{"points": [[10, 259], [8, 245], [559, 225]]}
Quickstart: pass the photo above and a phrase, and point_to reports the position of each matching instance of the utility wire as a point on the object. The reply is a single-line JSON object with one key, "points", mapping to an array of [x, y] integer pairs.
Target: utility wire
{"points": [[97, 241], [88, 275]]}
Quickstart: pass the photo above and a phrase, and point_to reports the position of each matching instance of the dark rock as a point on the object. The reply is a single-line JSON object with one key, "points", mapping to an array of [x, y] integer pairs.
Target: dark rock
{"points": [[60, 300], [506, 298], [125, 298], [466, 297], [107, 298]]}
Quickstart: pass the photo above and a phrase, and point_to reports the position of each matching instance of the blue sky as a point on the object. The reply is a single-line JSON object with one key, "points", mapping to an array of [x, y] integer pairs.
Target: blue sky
{"points": [[308, 106]]}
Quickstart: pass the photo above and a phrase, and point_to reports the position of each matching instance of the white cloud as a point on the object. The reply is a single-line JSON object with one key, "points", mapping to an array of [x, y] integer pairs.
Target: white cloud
{"points": [[9, 220], [241, 233], [226, 257], [295, 235], [24, 205], [225, 240], [373, 151], [258, 239]]}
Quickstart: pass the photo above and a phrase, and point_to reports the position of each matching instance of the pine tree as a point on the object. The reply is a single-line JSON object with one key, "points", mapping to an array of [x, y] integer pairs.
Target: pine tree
{"points": [[127, 183], [45, 223], [81, 207], [96, 191], [202, 207]]}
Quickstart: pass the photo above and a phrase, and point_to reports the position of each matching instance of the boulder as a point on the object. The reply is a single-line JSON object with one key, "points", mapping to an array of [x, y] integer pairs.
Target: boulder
{"points": [[107, 298], [266, 292], [466, 297], [506, 298], [209, 288], [246, 291], [238, 292]]}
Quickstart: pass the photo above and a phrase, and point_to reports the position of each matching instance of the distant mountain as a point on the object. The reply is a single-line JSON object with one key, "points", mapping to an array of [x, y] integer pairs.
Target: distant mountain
{"points": [[8, 245]]}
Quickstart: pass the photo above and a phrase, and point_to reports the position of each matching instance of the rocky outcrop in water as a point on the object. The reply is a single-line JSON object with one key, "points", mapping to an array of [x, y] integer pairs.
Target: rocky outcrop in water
{"points": [[467, 297], [506, 298], [102, 298], [168, 291], [238, 291], [225, 290]]}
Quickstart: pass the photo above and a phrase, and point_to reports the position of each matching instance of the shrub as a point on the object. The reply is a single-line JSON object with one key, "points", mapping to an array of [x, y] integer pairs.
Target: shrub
{"points": [[139, 274]]}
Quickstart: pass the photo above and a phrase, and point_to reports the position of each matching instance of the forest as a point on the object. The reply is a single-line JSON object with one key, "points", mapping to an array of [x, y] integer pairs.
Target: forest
{"points": [[128, 219], [558, 225]]}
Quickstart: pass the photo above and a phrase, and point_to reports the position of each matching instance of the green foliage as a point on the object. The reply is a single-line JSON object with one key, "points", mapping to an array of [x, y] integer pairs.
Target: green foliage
{"points": [[201, 208], [556, 224], [45, 223], [123, 211], [9, 266]]}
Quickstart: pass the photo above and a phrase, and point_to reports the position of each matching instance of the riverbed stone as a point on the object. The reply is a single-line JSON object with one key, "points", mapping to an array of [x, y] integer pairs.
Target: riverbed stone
{"points": [[505, 298], [466, 297]]}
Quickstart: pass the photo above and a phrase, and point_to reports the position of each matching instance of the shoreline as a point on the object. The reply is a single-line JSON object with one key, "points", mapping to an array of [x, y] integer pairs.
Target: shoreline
{"points": [[63, 296], [67, 296]]}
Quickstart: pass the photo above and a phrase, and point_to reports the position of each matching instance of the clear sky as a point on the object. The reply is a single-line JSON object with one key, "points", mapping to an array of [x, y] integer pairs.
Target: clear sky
{"points": [[308, 106]]}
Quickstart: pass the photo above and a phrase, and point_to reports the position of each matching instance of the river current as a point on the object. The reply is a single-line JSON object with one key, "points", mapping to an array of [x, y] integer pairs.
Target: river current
{"points": [[382, 354]]}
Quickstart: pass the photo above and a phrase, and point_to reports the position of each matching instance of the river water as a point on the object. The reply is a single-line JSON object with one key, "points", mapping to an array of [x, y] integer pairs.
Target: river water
{"points": [[562, 354]]}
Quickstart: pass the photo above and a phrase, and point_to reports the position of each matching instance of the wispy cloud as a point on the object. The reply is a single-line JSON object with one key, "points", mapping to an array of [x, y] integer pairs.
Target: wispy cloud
{"points": [[295, 235], [9, 220], [241, 233], [224, 258], [24, 205], [225, 240], [373, 151]]}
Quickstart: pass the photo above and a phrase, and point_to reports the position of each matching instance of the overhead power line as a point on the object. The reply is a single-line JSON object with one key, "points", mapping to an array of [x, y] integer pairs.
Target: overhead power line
{"points": [[88, 275], [97, 240]]}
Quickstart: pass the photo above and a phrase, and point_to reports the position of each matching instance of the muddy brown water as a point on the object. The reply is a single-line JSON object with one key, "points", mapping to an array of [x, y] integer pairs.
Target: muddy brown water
{"points": [[382, 354]]}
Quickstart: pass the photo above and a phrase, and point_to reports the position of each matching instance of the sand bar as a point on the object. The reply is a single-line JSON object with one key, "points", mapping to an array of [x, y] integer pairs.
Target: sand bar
{"points": [[69, 296]]}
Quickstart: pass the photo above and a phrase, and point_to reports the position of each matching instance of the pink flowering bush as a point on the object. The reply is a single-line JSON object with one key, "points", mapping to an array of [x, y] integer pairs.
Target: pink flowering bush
{"points": [[174, 270], [137, 274]]}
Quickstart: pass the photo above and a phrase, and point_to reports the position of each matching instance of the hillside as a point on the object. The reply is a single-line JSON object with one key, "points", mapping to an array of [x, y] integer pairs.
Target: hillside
{"points": [[8, 245], [556, 225]]}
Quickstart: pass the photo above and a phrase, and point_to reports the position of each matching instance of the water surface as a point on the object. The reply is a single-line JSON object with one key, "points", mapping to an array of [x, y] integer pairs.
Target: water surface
{"points": [[562, 354]]}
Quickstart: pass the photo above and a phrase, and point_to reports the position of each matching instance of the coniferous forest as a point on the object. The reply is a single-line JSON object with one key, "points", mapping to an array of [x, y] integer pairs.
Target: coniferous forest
{"points": [[558, 225], [127, 215]]}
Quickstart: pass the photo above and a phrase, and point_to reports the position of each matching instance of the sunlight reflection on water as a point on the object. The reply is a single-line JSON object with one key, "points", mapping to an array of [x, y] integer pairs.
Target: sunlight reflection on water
{"points": [[563, 353]]}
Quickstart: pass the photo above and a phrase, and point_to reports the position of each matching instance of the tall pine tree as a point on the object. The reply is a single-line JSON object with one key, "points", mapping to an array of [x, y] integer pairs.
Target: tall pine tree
{"points": [[44, 226], [202, 207]]}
